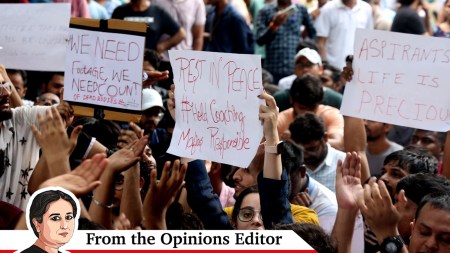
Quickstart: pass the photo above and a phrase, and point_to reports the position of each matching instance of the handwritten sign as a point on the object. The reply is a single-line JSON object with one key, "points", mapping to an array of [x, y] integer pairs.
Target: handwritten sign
{"points": [[216, 106], [400, 79], [104, 69], [33, 36]]}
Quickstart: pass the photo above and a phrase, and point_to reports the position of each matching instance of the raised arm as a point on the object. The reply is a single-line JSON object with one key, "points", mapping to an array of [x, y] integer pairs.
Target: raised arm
{"points": [[355, 140], [379, 212], [161, 195], [56, 147], [268, 115], [80, 181], [348, 188], [131, 202], [273, 183], [14, 98], [354, 130], [100, 209]]}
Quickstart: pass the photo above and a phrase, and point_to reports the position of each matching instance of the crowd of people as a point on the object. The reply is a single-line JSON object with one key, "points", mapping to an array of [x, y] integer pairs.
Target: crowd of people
{"points": [[344, 184]]}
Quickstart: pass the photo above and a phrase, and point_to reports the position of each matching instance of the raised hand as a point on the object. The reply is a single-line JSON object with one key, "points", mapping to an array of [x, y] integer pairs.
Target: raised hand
{"points": [[268, 114], [52, 136], [82, 179], [128, 136], [379, 212], [162, 194], [348, 181], [123, 223], [155, 76], [279, 19], [347, 72], [127, 156]]}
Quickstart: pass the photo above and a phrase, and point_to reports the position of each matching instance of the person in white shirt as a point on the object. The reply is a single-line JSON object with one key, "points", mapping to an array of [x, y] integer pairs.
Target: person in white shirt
{"points": [[336, 26]]}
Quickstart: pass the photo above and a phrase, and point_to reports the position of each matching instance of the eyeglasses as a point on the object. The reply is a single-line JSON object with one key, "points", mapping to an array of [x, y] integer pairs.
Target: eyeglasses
{"points": [[5, 86], [246, 214]]}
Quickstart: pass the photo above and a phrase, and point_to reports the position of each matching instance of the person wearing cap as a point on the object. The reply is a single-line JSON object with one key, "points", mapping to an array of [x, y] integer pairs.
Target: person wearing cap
{"points": [[152, 114], [152, 110], [307, 60]]}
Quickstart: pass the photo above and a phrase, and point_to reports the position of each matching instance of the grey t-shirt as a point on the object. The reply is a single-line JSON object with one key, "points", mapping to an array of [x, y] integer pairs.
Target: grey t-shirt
{"points": [[376, 161]]}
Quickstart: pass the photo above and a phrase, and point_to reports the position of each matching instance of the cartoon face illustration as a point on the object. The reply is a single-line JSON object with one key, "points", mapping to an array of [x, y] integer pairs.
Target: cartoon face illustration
{"points": [[57, 224], [53, 217]]}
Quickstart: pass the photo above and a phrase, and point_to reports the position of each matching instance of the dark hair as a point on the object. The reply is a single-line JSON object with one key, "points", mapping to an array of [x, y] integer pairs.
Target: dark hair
{"points": [[239, 199], [105, 131], [312, 234], [336, 73], [152, 57], [441, 136], [417, 186], [306, 128], [177, 219], [412, 162], [22, 73], [291, 160], [49, 76], [427, 157], [405, 2], [86, 224], [436, 200], [41, 203], [291, 157], [306, 44], [307, 90], [266, 76]]}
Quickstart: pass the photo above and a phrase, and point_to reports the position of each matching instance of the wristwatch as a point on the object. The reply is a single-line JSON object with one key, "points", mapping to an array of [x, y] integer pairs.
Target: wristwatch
{"points": [[392, 244], [277, 149]]}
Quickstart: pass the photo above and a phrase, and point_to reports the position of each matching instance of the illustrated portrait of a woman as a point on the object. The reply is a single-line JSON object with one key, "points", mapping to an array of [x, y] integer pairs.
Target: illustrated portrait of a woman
{"points": [[53, 218]]}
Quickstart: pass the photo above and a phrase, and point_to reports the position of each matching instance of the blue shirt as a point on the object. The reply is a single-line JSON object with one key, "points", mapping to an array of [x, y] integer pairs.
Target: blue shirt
{"points": [[229, 33], [281, 45]]}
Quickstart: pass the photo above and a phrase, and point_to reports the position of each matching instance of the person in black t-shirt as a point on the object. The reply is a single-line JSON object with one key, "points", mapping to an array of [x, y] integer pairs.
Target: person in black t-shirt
{"points": [[158, 21]]}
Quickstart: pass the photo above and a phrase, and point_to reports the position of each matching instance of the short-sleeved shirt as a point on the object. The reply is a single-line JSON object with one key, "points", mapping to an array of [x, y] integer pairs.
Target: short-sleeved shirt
{"points": [[338, 24], [376, 162], [407, 21], [21, 154], [158, 20], [325, 173], [187, 13]]}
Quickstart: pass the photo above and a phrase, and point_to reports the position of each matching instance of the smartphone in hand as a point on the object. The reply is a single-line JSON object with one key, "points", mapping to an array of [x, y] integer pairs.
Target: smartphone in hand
{"points": [[289, 10]]}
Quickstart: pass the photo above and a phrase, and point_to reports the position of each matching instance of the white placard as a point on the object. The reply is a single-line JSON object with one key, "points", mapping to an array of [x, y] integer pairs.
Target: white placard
{"points": [[104, 69], [400, 79], [216, 106], [34, 36]]}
